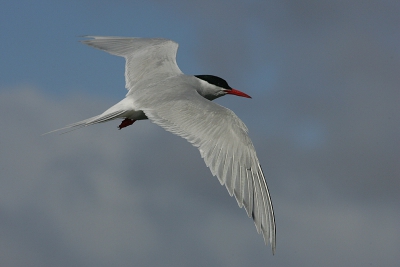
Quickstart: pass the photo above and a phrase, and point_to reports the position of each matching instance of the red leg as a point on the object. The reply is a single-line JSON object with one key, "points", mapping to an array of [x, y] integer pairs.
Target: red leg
{"points": [[126, 123]]}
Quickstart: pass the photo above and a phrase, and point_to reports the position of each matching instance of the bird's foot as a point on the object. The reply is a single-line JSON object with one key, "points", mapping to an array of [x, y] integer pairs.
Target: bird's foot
{"points": [[126, 123]]}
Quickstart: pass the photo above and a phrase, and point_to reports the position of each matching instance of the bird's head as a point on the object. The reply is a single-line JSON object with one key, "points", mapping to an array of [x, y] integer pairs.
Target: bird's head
{"points": [[213, 87]]}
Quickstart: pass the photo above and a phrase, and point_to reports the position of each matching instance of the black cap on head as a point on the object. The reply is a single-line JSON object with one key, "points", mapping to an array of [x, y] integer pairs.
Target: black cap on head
{"points": [[217, 81]]}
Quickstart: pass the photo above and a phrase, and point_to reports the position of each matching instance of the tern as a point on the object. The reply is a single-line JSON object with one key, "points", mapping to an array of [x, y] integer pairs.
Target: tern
{"points": [[181, 104]]}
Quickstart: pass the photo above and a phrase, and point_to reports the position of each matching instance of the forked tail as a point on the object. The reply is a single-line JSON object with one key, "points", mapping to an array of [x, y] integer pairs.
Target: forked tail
{"points": [[93, 120]]}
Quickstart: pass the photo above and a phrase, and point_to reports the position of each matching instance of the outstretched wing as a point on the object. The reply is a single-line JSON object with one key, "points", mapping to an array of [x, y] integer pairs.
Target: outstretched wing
{"points": [[224, 144], [146, 58]]}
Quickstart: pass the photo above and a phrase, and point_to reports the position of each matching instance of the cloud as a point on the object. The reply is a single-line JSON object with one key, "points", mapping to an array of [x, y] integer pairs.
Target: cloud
{"points": [[99, 196]]}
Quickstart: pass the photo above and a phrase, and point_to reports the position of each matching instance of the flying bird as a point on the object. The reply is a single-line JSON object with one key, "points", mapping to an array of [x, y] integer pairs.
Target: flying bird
{"points": [[181, 104]]}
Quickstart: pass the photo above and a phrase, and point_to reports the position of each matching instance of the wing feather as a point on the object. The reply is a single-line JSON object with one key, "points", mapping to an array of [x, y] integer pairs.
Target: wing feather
{"points": [[224, 144], [146, 58]]}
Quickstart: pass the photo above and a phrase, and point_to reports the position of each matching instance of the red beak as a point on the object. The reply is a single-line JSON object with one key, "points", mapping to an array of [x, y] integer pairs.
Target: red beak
{"points": [[237, 92]]}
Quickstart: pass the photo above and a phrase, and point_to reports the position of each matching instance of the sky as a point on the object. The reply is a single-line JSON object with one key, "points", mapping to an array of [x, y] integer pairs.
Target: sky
{"points": [[324, 119]]}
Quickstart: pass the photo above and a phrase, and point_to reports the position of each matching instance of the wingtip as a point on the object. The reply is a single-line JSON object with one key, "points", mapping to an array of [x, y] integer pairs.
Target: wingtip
{"points": [[90, 36], [86, 36]]}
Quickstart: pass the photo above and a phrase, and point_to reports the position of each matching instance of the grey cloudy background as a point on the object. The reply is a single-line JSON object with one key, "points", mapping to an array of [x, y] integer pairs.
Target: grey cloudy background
{"points": [[324, 118]]}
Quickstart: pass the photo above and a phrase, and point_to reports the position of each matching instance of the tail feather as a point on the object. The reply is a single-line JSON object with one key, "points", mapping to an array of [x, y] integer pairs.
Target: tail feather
{"points": [[93, 120]]}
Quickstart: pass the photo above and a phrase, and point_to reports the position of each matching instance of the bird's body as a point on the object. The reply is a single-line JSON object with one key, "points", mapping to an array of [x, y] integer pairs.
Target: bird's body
{"points": [[159, 91]]}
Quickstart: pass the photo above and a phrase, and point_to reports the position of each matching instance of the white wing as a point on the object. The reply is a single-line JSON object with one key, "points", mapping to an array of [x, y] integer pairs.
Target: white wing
{"points": [[223, 142], [146, 58]]}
